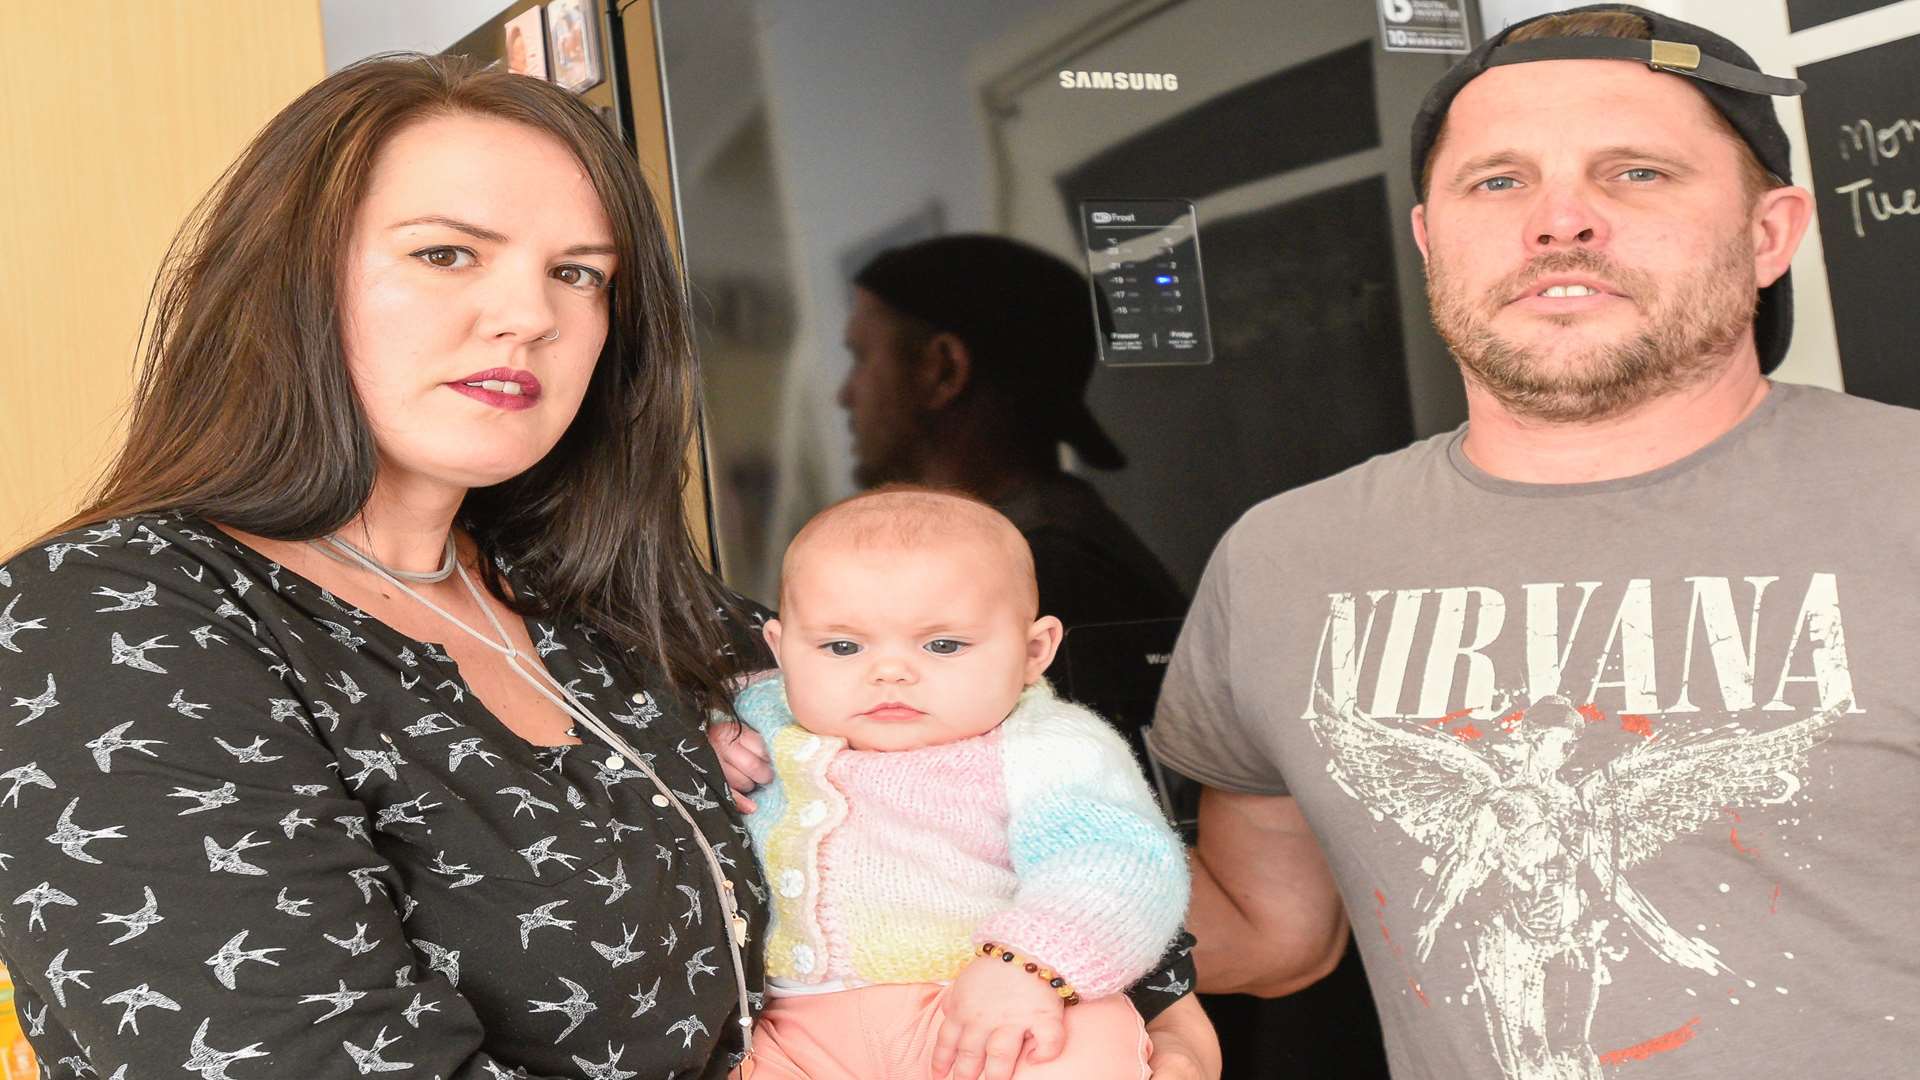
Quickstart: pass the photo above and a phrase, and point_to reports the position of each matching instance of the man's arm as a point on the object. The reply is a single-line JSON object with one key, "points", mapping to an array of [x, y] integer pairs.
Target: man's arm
{"points": [[1265, 910]]}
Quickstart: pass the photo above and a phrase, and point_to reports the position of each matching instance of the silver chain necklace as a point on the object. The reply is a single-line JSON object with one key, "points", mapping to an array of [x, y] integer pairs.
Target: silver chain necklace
{"points": [[546, 685], [424, 577]]}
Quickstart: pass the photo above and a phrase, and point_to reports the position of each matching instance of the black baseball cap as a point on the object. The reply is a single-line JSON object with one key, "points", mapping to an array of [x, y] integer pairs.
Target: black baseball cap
{"points": [[1719, 69], [1023, 315]]}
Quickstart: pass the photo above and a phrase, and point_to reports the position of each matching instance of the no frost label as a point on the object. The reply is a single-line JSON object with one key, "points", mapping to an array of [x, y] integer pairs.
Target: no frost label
{"points": [[1430, 26]]}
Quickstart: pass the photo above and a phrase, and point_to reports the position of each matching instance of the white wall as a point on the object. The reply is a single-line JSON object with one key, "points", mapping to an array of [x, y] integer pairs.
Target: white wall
{"points": [[1760, 27], [356, 29]]}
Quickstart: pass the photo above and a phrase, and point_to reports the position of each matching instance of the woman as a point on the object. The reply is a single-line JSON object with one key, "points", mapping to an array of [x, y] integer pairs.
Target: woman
{"points": [[361, 729]]}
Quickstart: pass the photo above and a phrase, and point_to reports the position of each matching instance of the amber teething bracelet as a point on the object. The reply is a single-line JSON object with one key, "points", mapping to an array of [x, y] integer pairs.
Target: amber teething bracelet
{"points": [[1068, 995]]}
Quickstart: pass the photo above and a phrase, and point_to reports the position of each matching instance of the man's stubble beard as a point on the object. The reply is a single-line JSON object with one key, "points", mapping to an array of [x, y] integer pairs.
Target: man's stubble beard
{"points": [[1689, 332]]}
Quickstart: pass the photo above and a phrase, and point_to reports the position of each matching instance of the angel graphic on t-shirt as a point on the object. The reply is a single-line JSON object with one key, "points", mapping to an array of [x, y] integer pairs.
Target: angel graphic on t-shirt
{"points": [[1551, 851]]}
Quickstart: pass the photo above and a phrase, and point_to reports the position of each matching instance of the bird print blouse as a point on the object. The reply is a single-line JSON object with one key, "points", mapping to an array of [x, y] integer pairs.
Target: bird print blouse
{"points": [[249, 831]]}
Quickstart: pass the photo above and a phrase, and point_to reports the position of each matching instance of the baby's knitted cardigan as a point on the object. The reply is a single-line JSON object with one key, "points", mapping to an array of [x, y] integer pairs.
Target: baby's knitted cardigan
{"points": [[891, 867]]}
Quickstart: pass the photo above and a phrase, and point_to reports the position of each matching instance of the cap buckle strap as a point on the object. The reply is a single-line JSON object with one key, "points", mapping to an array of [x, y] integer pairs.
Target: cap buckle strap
{"points": [[1674, 54]]}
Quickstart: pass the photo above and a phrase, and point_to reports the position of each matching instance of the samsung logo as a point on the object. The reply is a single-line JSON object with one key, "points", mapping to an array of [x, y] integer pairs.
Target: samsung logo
{"points": [[1119, 80]]}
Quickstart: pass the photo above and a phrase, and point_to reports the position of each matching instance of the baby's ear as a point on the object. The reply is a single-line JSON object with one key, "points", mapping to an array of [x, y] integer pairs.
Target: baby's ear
{"points": [[1043, 640], [771, 633]]}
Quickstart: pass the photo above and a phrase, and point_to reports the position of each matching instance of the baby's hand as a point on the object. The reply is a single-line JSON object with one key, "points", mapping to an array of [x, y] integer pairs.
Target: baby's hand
{"points": [[992, 1010], [744, 760]]}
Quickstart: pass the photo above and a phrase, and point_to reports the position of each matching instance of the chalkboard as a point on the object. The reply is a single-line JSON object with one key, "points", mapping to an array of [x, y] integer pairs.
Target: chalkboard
{"points": [[1863, 132], [1804, 13]]}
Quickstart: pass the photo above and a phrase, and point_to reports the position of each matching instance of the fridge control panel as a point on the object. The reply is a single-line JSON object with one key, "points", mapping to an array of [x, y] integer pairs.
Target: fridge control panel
{"points": [[1143, 257]]}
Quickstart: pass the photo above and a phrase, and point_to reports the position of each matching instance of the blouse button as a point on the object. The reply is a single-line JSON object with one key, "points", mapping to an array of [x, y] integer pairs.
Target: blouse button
{"points": [[639, 698], [615, 761], [660, 801], [792, 883], [813, 813], [386, 738]]}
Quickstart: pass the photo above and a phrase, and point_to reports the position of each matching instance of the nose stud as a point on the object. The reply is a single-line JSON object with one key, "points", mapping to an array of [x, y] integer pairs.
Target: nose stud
{"points": [[554, 336]]}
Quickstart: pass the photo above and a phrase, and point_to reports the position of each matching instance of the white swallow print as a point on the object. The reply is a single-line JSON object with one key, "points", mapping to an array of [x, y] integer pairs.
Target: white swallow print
{"points": [[431, 724], [541, 852], [135, 656], [357, 944], [39, 706], [689, 1027], [204, 634], [227, 860], [417, 1008], [73, 839], [528, 802], [137, 922], [698, 965], [645, 999], [213, 1064], [405, 813], [154, 542], [607, 1070], [228, 959], [281, 710], [254, 753], [542, 916], [127, 601], [36, 1025], [623, 953], [466, 748], [337, 1002], [57, 553], [342, 634], [616, 885], [40, 896], [577, 1004], [23, 775], [189, 709], [443, 960], [324, 710], [296, 908], [386, 762], [137, 998], [459, 870], [210, 799], [692, 915], [9, 626], [59, 975], [365, 877], [347, 686], [230, 610], [356, 826]]}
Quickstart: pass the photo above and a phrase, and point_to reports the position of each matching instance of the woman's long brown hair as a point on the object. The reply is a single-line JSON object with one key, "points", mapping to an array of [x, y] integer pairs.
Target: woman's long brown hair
{"points": [[244, 412]]}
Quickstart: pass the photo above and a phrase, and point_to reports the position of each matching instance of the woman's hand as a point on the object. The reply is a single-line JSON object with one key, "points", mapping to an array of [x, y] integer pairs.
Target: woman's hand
{"points": [[991, 1012], [1184, 1044], [744, 760]]}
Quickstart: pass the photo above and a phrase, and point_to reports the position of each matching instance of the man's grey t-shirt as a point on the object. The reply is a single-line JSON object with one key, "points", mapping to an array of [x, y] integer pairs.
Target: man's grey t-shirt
{"points": [[1610, 774]]}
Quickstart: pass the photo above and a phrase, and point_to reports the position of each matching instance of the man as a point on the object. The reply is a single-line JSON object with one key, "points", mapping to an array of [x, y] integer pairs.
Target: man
{"points": [[1600, 709], [971, 354]]}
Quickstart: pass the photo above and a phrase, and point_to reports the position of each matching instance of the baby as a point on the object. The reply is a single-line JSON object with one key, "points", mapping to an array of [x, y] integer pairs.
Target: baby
{"points": [[966, 870]]}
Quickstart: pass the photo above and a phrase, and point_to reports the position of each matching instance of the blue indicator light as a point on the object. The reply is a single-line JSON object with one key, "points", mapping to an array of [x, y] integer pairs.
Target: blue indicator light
{"points": [[1163, 279]]}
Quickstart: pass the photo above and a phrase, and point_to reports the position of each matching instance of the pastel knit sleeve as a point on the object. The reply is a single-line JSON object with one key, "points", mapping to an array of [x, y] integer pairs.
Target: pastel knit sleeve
{"points": [[761, 704], [1103, 878]]}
